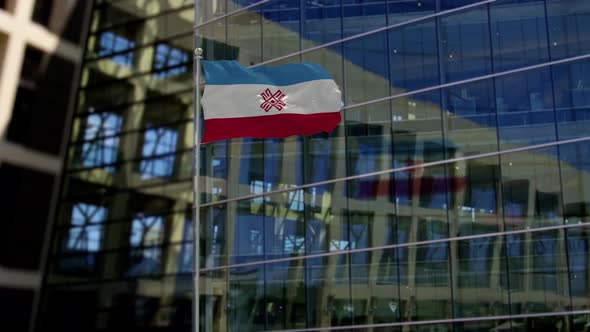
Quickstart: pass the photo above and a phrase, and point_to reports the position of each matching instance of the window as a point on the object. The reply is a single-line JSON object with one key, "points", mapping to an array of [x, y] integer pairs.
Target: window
{"points": [[100, 144], [294, 244], [146, 235], [169, 61], [86, 228], [185, 256], [256, 242], [258, 187], [109, 43], [158, 149], [296, 202], [84, 237]]}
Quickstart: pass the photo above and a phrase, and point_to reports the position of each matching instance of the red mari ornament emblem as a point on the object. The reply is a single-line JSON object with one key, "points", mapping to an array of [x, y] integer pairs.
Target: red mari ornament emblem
{"points": [[272, 100]]}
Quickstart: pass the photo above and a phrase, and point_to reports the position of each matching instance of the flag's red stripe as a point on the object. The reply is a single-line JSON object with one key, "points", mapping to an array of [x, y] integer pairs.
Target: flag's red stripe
{"points": [[276, 126]]}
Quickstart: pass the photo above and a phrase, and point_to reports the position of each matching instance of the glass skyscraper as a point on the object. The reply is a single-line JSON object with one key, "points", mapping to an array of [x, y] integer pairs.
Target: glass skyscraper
{"points": [[453, 196]]}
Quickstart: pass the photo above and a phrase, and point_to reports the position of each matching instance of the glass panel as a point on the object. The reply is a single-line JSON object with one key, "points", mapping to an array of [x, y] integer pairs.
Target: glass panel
{"points": [[572, 98], [476, 198], [413, 57], [366, 66], [465, 45], [246, 289], [417, 138], [244, 31], [331, 60], [285, 227], [575, 167], [314, 31], [369, 150], [328, 290], [525, 109], [210, 9], [214, 306], [568, 27], [215, 167], [531, 189], [386, 274], [238, 4], [578, 260], [537, 264], [285, 295], [362, 16], [213, 41], [280, 28], [451, 4], [519, 34], [405, 10], [427, 295], [471, 118], [477, 293]]}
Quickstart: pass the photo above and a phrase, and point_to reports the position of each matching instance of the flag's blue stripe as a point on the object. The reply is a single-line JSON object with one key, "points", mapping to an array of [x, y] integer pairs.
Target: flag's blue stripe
{"points": [[231, 72]]}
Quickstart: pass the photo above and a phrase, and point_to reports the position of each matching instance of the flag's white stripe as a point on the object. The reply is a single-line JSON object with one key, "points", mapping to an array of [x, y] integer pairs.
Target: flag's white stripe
{"points": [[244, 100]]}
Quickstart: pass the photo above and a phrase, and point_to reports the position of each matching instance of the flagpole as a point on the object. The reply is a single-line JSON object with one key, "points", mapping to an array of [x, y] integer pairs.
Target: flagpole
{"points": [[196, 194]]}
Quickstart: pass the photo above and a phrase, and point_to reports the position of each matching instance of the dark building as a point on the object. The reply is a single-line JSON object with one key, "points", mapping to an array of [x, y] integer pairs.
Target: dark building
{"points": [[476, 112], [41, 46]]}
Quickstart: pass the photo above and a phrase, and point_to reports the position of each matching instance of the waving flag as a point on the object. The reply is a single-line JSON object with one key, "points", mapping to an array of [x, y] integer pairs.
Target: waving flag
{"points": [[265, 101]]}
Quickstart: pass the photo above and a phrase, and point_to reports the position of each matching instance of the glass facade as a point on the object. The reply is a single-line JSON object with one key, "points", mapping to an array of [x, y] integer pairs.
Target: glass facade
{"points": [[472, 118]]}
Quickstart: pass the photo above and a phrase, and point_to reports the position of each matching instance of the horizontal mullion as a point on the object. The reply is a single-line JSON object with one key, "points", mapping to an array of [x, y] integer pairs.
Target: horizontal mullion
{"points": [[438, 321], [397, 246], [395, 170]]}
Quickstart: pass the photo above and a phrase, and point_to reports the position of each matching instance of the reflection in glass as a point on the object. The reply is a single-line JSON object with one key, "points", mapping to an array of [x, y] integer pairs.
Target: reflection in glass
{"points": [[366, 61], [572, 98], [146, 235], [84, 237], [465, 45], [100, 145], [171, 59], [575, 168], [471, 117], [314, 14], [133, 137], [280, 28], [413, 57], [519, 34], [531, 189], [110, 42], [244, 32], [525, 109], [362, 16], [158, 146], [568, 27]]}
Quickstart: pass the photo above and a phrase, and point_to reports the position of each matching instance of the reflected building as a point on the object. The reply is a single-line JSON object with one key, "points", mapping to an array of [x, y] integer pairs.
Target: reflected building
{"points": [[474, 111]]}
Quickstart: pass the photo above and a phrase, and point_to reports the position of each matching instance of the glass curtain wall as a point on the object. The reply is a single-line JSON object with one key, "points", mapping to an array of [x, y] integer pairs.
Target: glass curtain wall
{"points": [[477, 112]]}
